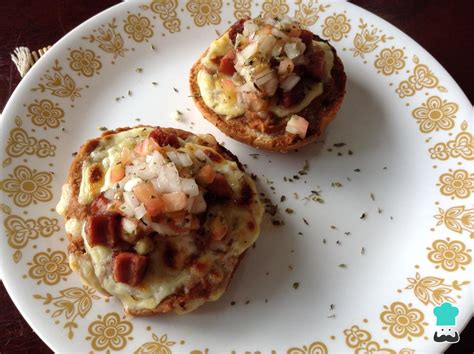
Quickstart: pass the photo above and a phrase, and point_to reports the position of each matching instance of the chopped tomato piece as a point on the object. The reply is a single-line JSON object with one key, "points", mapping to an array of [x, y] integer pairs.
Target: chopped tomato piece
{"points": [[146, 146], [129, 268], [218, 228], [206, 175], [117, 172], [226, 66], [174, 201], [104, 230], [152, 200]]}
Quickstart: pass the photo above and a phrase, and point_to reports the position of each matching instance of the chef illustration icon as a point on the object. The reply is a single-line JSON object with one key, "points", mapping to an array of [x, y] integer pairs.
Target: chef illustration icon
{"points": [[446, 322]]}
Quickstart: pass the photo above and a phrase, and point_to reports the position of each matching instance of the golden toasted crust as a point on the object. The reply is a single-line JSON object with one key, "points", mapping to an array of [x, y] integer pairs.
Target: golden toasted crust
{"points": [[319, 113], [180, 301]]}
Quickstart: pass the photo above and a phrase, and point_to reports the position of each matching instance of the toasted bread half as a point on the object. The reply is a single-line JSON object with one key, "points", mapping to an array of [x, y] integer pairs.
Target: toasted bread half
{"points": [[318, 113], [209, 263]]}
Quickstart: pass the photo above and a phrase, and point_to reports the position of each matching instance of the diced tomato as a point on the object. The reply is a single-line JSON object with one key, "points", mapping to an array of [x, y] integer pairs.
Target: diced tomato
{"points": [[125, 155], [117, 172], [226, 65], [129, 268], [152, 200], [206, 175], [146, 146], [218, 228], [174, 201]]}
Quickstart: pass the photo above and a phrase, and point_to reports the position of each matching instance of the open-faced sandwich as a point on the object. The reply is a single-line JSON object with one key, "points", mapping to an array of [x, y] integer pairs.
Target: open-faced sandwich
{"points": [[269, 83], [159, 218]]}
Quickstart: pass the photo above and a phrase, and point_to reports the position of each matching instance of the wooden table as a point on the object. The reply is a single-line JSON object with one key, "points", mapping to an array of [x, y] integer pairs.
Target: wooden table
{"points": [[444, 28]]}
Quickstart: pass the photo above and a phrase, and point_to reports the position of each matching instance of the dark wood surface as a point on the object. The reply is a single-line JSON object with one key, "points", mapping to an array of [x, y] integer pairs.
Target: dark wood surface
{"points": [[444, 28]]}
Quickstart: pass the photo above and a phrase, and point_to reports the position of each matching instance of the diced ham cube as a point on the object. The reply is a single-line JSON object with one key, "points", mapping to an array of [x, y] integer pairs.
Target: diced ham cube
{"points": [[226, 66], [100, 204], [129, 268], [237, 28], [104, 229], [307, 37], [315, 66], [164, 138], [220, 187]]}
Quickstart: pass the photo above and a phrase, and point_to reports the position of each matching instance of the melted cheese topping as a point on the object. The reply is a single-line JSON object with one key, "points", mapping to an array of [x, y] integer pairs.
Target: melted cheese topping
{"points": [[216, 98], [106, 154], [95, 266]]}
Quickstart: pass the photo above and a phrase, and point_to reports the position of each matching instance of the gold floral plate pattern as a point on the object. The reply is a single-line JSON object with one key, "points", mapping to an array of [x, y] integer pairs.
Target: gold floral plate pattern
{"points": [[376, 229]]}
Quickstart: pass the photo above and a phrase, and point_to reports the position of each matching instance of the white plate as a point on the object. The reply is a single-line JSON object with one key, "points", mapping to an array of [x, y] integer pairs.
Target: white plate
{"points": [[404, 119]]}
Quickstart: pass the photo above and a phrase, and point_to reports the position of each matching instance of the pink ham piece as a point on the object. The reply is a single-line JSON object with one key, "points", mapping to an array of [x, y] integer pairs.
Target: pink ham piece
{"points": [[129, 268], [104, 229]]}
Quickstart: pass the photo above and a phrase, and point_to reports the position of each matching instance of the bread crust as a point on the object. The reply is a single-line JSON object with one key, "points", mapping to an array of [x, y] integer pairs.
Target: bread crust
{"points": [[319, 112], [180, 301]]}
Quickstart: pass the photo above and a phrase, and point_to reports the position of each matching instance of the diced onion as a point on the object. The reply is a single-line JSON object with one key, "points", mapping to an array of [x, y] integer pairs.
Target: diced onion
{"points": [[250, 27], [291, 50], [128, 187], [249, 50], [247, 87], [129, 226], [263, 77], [270, 86], [266, 43], [140, 211], [184, 159], [276, 50], [279, 34], [189, 186], [297, 125], [288, 83], [200, 155], [168, 180], [155, 160], [109, 194], [197, 204], [180, 158], [173, 156], [127, 210], [130, 199], [286, 67]]}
